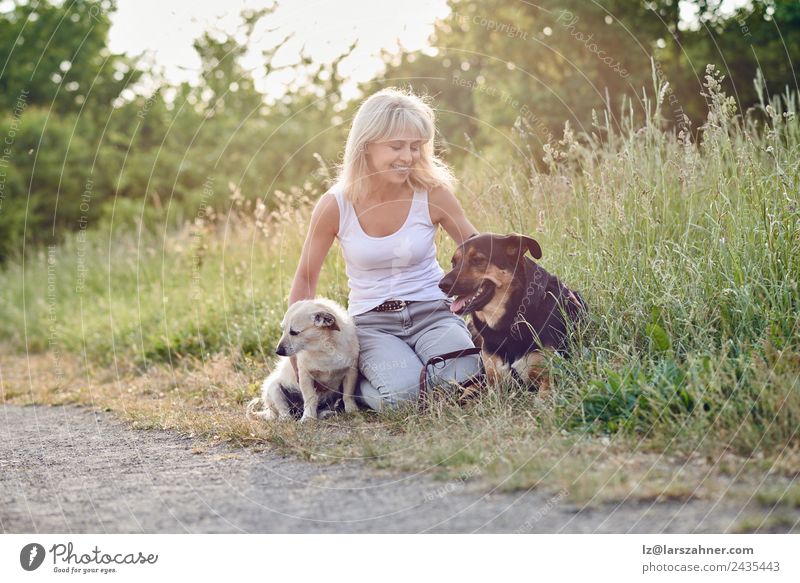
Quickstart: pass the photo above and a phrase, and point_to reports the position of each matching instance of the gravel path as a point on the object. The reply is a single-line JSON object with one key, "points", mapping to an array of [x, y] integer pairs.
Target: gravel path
{"points": [[72, 470]]}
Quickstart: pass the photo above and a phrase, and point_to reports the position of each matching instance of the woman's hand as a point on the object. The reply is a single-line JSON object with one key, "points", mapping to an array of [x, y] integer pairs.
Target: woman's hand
{"points": [[446, 211]]}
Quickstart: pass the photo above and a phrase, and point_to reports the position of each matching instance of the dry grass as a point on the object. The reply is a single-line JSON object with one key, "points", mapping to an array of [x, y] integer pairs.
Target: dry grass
{"points": [[502, 441]]}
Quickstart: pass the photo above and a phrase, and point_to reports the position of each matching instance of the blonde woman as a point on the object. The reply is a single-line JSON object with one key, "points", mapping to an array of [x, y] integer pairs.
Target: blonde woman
{"points": [[391, 196]]}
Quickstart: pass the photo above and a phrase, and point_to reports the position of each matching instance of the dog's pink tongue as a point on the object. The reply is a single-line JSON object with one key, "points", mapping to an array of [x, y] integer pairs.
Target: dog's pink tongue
{"points": [[458, 304]]}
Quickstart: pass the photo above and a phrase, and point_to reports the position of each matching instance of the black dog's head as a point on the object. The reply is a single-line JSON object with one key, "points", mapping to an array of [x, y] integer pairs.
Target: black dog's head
{"points": [[484, 264]]}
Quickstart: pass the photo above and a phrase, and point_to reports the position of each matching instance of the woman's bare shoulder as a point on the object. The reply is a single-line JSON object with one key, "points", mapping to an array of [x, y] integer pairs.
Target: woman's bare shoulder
{"points": [[441, 192], [326, 213], [440, 200]]}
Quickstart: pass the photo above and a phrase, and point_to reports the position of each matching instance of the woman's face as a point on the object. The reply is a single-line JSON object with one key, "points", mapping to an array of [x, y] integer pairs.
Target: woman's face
{"points": [[390, 160]]}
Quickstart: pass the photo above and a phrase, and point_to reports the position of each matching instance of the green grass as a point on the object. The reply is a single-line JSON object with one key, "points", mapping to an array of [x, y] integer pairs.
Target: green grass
{"points": [[686, 253]]}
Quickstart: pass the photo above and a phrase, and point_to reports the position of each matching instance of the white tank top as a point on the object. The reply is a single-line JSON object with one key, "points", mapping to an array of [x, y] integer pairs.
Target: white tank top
{"points": [[400, 266]]}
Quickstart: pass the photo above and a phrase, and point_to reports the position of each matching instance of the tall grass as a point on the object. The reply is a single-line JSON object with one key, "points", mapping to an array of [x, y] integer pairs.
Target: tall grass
{"points": [[687, 254]]}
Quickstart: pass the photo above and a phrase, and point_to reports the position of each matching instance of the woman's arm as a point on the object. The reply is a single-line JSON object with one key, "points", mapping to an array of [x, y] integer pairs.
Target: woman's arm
{"points": [[446, 211], [322, 231]]}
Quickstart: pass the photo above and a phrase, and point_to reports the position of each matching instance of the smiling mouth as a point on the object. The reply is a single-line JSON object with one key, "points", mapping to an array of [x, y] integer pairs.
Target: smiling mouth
{"points": [[464, 304]]}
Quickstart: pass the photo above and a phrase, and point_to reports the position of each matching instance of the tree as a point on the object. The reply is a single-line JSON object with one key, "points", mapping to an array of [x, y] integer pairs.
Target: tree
{"points": [[57, 55]]}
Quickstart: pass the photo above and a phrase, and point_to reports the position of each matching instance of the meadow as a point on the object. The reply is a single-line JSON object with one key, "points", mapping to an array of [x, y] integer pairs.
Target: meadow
{"points": [[684, 378]]}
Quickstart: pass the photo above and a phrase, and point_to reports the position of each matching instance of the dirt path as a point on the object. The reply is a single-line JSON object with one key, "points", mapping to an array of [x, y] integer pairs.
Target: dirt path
{"points": [[68, 469]]}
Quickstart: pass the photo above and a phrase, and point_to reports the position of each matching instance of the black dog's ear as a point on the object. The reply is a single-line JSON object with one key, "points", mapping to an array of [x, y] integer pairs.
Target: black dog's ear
{"points": [[325, 320], [516, 245]]}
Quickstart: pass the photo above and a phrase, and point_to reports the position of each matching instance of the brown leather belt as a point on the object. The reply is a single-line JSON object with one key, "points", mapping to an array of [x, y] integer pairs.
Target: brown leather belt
{"points": [[391, 306]]}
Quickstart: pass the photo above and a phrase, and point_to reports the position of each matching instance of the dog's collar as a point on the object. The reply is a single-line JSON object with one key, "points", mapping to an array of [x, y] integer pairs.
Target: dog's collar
{"points": [[535, 290]]}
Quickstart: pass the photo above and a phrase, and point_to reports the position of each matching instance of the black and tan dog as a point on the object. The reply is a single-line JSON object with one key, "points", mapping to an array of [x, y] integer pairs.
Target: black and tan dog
{"points": [[518, 309]]}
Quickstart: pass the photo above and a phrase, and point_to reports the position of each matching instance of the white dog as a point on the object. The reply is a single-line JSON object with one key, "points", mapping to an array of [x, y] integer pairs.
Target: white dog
{"points": [[323, 337]]}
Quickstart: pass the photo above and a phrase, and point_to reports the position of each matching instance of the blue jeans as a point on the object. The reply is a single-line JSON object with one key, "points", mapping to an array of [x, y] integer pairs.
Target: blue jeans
{"points": [[395, 345]]}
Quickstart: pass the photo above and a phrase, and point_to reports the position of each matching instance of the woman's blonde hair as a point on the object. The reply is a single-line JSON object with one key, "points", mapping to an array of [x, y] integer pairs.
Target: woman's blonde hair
{"points": [[382, 116]]}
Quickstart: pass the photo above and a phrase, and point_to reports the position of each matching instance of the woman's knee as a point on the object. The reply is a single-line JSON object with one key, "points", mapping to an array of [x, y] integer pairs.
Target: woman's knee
{"points": [[460, 369], [393, 382], [449, 334], [454, 371]]}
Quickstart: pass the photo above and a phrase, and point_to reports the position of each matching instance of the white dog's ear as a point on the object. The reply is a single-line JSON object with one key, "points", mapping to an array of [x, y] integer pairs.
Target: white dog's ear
{"points": [[325, 320]]}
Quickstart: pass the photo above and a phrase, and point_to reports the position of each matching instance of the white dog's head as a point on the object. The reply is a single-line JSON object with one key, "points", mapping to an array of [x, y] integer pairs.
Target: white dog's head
{"points": [[309, 325]]}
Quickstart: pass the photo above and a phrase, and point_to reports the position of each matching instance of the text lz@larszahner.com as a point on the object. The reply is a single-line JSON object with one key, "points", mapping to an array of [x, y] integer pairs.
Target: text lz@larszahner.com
{"points": [[65, 554]]}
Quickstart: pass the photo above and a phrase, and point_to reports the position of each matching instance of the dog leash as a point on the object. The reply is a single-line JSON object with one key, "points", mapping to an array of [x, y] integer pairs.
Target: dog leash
{"points": [[439, 359]]}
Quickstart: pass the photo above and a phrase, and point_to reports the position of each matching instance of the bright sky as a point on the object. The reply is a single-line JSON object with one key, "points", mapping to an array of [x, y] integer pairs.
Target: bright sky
{"points": [[167, 28]]}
